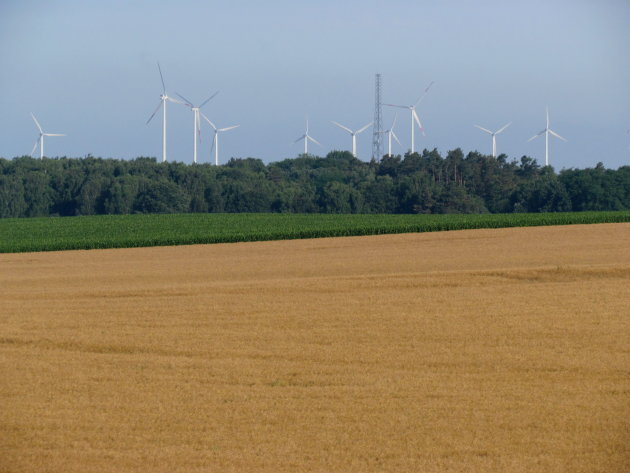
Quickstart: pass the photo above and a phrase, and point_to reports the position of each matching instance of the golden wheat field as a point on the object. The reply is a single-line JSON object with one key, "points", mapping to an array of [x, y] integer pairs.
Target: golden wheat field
{"points": [[467, 351]]}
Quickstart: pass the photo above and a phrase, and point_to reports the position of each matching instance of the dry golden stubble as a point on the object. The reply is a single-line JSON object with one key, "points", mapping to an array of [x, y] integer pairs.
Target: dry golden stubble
{"points": [[485, 350]]}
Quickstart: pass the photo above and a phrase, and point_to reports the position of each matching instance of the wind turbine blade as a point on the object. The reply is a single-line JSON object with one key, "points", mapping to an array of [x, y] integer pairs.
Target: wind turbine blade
{"points": [[187, 102], [314, 140], [153, 114], [214, 138], [417, 120], [398, 106], [343, 127], [537, 135], [424, 94], [171, 99], [484, 129], [37, 123], [394, 122], [53, 134], [208, 99], [501, 129], [208, 120], [229, 128], [162, 78], [34, 147], [300, 138], [396, 138], [557, 135], [547, 110], [364, 128]]}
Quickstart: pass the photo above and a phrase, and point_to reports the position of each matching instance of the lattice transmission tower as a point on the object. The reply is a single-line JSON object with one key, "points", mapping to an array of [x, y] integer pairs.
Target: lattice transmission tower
{"points": [[377, 135]]}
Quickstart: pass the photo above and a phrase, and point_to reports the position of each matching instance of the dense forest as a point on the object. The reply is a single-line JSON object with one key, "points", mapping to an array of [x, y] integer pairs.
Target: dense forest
{"points": [[338, 183]]}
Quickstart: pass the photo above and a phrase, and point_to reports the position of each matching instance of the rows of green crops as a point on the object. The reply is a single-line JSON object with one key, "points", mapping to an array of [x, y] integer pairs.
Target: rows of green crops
{"points": [[122, 231]]}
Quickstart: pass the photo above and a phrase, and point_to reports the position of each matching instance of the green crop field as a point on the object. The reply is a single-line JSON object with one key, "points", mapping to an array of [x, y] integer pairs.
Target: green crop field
{"points": [[121, 231]]}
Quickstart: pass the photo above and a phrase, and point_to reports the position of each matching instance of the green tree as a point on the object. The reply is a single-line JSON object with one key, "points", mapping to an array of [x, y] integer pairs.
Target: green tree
{"points": [[90, 200], [545, 194], [37, 193], [380, 195], [120, 196], [598, 188], [12, 203], [161, 197], [417, 193], [337, 197]]}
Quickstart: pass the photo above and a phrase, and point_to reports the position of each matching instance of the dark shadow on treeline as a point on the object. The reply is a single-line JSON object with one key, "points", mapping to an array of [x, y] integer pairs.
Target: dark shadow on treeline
{"points": [[338, 183]]}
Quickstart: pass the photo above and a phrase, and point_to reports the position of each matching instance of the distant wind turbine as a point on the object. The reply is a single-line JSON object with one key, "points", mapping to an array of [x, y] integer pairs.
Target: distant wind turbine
{"points": [[163, 99], [353, 134], [40, 138], [196, 120], [215, 141], [414, 115], [306, 137], [494, 137], [390, 134], [547, 131]]}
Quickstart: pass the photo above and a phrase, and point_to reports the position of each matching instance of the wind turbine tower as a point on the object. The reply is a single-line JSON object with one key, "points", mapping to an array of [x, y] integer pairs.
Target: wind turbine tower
{"points": [[306, 137], [40, 139], [377, 141], [215, 141], [390, 134], [196, 120], [414, 116], [353, 134], [163, 99], [547, 131], [494, 137]]}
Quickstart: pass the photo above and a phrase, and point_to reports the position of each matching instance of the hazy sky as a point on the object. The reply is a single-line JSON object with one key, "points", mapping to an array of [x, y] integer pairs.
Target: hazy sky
{"points": [[88, 68]]}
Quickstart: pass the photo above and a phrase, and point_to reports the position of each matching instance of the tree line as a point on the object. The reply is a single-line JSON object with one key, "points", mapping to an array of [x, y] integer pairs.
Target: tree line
{"points": [[425, 182]]}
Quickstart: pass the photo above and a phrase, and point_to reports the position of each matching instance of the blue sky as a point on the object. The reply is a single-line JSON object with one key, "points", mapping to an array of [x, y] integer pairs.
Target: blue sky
{"points": [[88, 68]]}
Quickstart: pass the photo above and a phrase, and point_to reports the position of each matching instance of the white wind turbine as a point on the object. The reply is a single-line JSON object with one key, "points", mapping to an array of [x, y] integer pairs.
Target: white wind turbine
{"points": [[547, 131], [40, 138], [494, 137], [196, 120], [390, 134], [163, 99], [306, 137], [215, 141], [353, 134], [414, 115]]}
